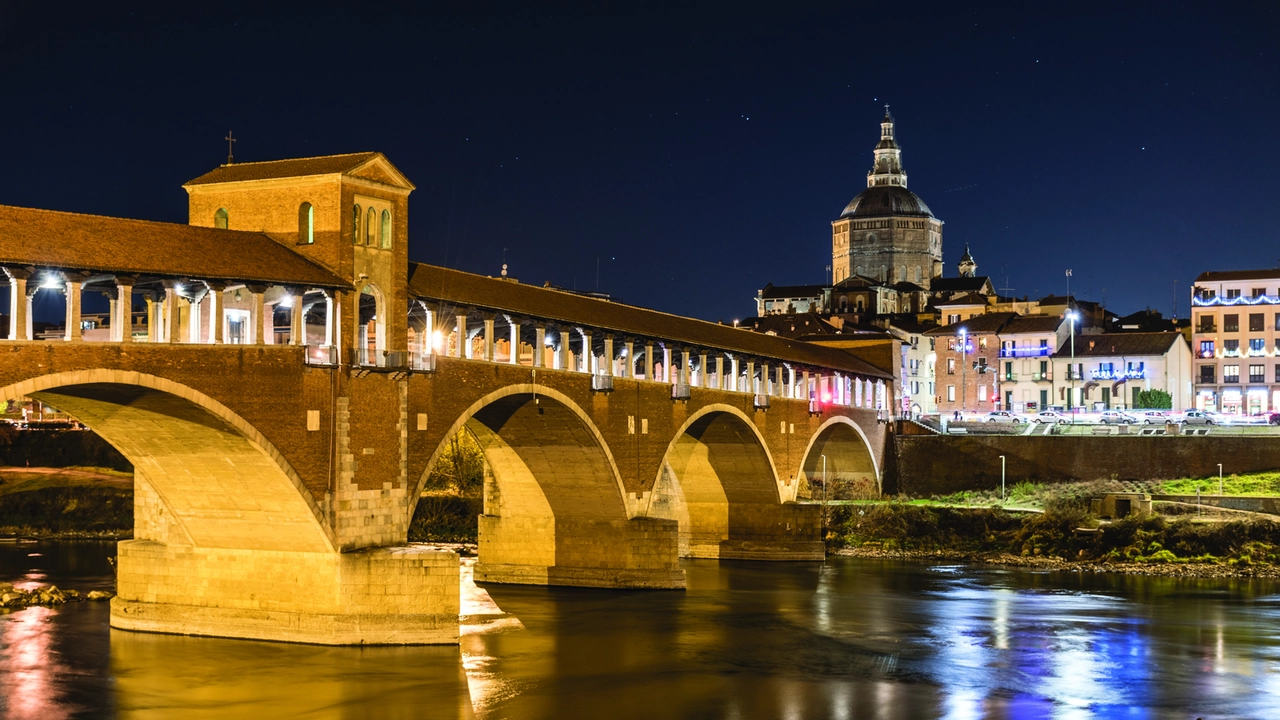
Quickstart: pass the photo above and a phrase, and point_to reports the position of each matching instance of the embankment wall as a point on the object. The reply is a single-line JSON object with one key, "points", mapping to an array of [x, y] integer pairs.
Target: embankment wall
{"points": [[942, 464]]}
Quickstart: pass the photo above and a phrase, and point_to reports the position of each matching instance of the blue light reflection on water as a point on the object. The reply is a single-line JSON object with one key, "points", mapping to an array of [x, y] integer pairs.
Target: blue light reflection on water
{"points": [[845, 639]]}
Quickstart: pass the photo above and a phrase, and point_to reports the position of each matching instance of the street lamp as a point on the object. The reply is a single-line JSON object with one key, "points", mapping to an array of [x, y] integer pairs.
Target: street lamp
{"points": [[964, 360], [1072, 316]]}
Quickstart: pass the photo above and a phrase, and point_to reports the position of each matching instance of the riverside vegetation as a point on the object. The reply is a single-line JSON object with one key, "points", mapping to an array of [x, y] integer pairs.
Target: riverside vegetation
{"points": [[1050, 525]]}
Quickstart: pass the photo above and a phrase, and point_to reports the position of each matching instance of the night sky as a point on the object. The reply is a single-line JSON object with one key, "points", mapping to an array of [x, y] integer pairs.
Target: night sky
{"points": [[690, 156]]}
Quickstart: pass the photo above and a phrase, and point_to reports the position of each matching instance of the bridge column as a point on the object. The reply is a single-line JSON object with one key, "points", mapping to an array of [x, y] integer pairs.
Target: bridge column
{"points": [[169, 312], [297, 319], [588, 353], [18, 304], [257, 316], [778, 384], [751, 377], [704, 377], [71, 288], [514, 353], [488, 340], [122, 319], [214, 295], [683, 378], [540, 346], [666, 365], [563, 354], [804, 386], [719, 372], [648, 362], [629, 367], [734, 385], [608, 355]]}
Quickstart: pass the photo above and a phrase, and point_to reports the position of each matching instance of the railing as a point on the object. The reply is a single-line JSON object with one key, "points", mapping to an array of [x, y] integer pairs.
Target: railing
{"points": [[761, 401], [1206, 380], [1206, 329], [422, 363], [1073, 375], [322, 355], [1042, 376], [680, 391], [1010, 377], [1231, 379], [395, 359], [602, 383]]}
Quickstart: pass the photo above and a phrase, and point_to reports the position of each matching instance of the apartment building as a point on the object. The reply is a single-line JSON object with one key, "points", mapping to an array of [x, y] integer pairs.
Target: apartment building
{"points": [[1236, 341]]}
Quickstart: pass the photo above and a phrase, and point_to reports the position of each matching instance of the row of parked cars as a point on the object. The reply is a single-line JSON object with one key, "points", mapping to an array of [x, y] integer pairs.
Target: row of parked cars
{"points": [[1128, 417]]}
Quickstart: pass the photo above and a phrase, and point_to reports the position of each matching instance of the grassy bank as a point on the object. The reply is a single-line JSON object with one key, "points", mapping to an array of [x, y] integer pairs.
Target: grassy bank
{"points": [[75, 501]]}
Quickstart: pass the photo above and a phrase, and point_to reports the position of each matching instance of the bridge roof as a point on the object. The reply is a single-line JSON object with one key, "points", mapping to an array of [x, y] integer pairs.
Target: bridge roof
{"points": [[74, 241], [467, 289]]}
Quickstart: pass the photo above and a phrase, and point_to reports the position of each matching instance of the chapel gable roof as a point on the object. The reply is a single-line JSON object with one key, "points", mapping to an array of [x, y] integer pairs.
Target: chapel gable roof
{"points": [[366, 165]]}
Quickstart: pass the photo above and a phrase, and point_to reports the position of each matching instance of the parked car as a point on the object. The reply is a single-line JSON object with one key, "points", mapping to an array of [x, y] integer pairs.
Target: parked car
{"points": [[1003, 416], [1198, 417], [1273, 418], [1115, 417], [1052, 417], [1153, 417]]}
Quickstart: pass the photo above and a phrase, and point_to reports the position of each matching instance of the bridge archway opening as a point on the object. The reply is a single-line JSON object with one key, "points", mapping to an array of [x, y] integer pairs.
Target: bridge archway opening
{"points": [[203, 477], [371, 324], [718, 482], [850, 471], [554, 510]]}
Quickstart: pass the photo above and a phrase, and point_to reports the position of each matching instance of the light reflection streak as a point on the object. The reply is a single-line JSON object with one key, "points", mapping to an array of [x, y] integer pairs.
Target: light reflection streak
{"points": [[28, 665]]}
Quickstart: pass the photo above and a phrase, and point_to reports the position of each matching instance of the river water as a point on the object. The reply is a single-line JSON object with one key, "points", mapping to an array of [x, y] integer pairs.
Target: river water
{"points": [[845, 639]]}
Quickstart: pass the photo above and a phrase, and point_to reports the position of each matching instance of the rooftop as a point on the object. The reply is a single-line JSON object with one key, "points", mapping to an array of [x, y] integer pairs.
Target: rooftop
{"points": [[467, 289], [777, 292], [119, 245], [1121, 344], [986, 323], [290, 168], [1032, 324], [1228, 275]]}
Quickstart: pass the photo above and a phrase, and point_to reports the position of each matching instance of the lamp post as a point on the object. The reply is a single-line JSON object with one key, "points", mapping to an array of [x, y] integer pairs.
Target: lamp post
{"points": [[1002, 496], [1071, 371], [964, 360], [1220, 491]]}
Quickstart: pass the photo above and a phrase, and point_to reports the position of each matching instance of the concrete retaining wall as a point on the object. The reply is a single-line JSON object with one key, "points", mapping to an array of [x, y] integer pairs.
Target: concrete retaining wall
{"points": [[938, 465]]}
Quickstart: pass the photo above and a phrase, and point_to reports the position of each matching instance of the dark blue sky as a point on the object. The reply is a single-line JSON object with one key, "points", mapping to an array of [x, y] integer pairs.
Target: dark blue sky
{"points": [[696, 154]]}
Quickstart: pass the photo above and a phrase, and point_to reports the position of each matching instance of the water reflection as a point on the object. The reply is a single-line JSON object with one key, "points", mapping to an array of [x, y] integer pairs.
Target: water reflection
{"points": [[844, 639]]}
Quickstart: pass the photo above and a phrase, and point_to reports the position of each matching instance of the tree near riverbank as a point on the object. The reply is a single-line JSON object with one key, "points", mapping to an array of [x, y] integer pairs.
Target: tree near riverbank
{"points": [[452, 498]]}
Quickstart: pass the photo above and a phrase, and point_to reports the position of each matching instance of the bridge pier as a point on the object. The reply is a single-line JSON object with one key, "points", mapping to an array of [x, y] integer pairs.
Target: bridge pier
{"points": [[382, 596], [636, 553]]}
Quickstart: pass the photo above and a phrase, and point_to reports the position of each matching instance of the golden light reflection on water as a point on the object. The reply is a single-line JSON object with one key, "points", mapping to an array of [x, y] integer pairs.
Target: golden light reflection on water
{"points": [[28, 666]]}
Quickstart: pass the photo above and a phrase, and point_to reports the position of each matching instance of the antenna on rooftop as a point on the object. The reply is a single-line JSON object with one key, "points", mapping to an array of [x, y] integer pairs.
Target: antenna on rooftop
{"points": [[230, 157]]}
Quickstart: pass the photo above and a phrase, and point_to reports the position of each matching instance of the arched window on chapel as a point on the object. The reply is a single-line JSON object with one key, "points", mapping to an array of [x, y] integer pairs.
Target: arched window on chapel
{"points": [[306, 224], [370, 227], [385, 230], [220, 219], [355, 225]]}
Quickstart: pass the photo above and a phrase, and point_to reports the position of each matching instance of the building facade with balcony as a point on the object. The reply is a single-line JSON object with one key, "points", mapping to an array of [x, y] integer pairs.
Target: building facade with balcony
{"points": [[968, 356], [1236, 341], [1109, 370], [1027, 345], [919, 359]]}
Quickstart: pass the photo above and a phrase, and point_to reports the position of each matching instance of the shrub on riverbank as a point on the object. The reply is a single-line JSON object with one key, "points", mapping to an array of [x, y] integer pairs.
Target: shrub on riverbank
{"points": [[899, 526], [94, 510]]}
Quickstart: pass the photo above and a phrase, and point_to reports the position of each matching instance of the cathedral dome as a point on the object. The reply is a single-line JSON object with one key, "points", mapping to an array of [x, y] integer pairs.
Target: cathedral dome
{"points": [[886, 201]]}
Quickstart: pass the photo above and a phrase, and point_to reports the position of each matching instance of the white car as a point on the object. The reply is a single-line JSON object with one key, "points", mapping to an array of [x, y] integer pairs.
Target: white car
{"points": [[1002, 416], [1115, 417], [1052, 417], [1153, 417], [1199, 417]]}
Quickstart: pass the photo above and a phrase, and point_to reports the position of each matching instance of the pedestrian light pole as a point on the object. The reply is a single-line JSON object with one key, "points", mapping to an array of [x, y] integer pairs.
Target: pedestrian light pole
{"points": [[964, 360], [1072, 315]]}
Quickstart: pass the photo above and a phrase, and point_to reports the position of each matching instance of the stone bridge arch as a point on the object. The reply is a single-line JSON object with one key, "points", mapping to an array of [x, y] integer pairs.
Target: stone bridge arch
{"points": [[719, 482], [204, 476], [851, 468], [554, 508]]}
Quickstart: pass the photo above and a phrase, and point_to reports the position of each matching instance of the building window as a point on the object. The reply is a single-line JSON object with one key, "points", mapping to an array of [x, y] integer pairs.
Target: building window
{"points": [[1204, 323], [1230, 323], [385, 231], [1257, 346], [1255, 322], [951, 366], [1230, 373], [1206, 374], [953, 319], [355, 225], [1257, 373], [1233, 293], [1277, 321], [982, 393], [306, 224], [1259, 292], [1231, 348], [220, 222], [1206, 348], [1008, 372], [1278, 372], [1044, 370], [951, 393], [370, 227]]}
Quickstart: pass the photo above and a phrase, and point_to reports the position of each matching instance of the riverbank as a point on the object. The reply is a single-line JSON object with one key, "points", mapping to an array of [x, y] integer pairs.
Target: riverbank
{"points": [[69, 503], [1064, 536]]}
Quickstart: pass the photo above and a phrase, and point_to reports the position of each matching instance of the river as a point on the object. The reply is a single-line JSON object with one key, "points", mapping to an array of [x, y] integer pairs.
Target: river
{"points": [[846, 639]]}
